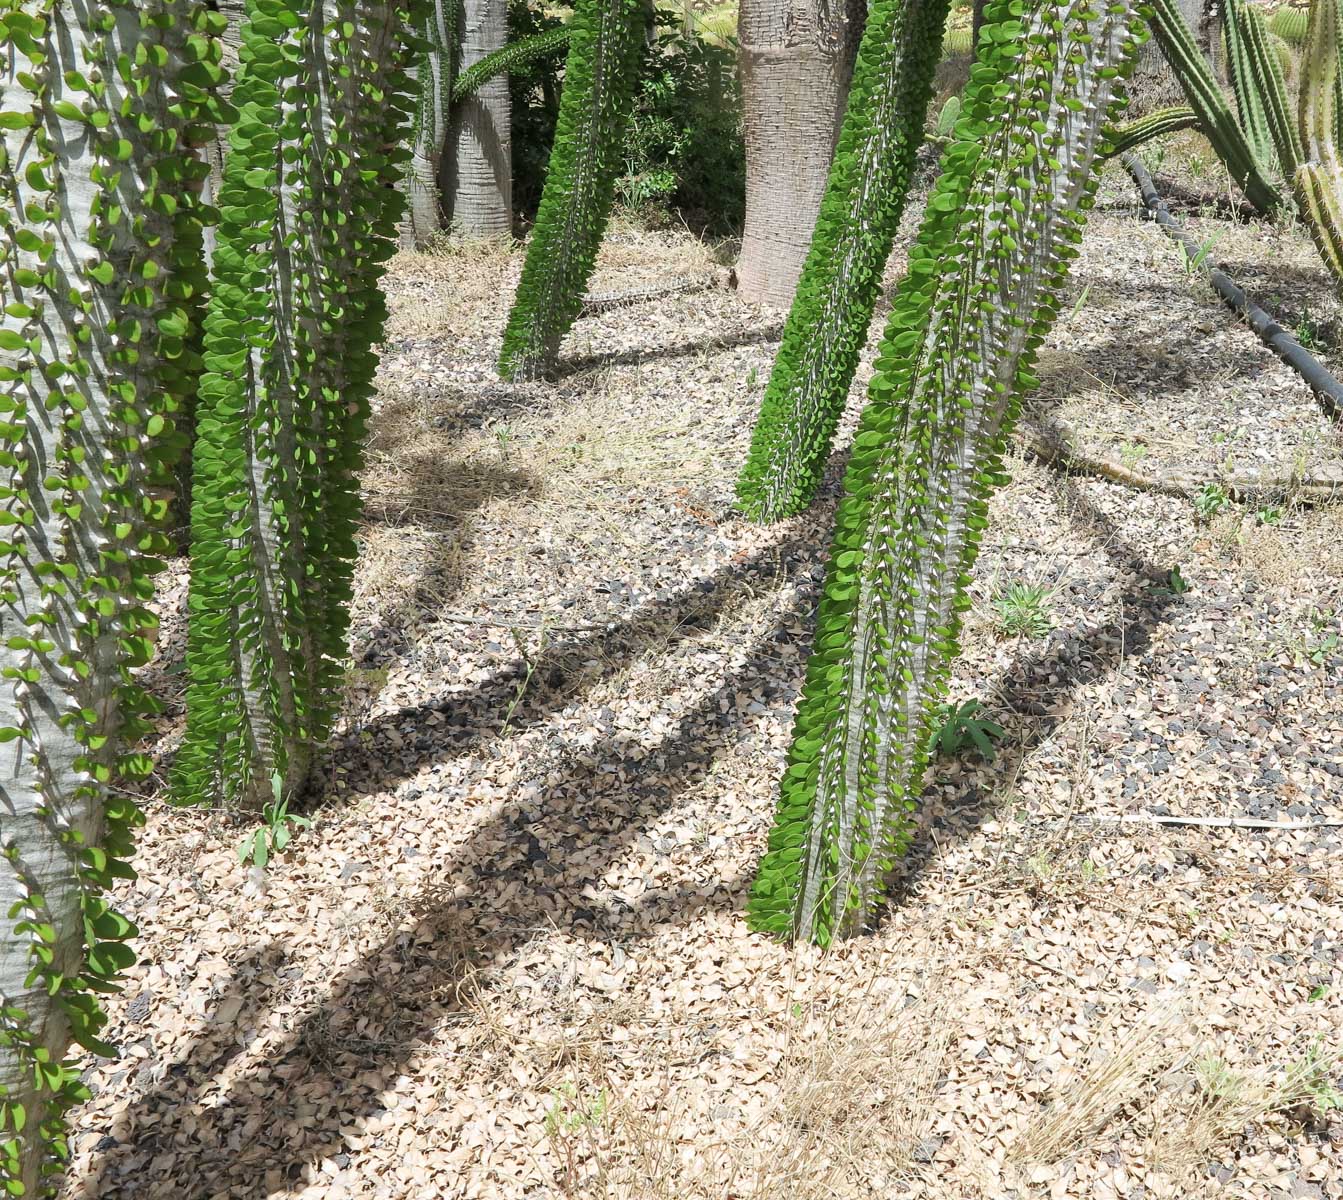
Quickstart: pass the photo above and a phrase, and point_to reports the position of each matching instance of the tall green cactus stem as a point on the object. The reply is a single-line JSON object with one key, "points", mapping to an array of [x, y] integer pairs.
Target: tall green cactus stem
{"points": [[827, 325], [510, 60], [309, 216], [1133, 134], [984, 285], [103, 104], [1215, 117], [1318, 183], [433, 84], [580, 183], [1261, 92]]}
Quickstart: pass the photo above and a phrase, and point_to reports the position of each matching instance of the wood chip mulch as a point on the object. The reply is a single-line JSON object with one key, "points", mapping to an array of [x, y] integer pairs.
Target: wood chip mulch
{"points": [[508, 960]]}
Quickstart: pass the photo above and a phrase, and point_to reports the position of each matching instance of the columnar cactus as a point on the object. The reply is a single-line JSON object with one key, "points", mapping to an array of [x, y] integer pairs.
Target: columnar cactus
{"points": [[983, 288], [1155, 124], [1318, 184], [828, 323], [1261, 92], [103, 104], [1215, 117], [309, 216], [580, 183]]}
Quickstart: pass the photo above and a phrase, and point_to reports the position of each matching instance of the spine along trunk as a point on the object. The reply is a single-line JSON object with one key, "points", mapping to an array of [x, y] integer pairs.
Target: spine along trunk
{"points": [[982, 290], [580, 183], [828, 323], [309, 216], [103, 108]]}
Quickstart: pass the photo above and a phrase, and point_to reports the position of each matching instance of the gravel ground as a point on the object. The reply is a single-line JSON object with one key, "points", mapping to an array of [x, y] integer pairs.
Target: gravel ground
{"points": [[508, 960]]}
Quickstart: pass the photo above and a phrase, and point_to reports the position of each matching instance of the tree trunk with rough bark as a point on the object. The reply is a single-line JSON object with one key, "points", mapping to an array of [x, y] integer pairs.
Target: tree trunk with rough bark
{"points": [[796, 59], [478, 167], [1153, 84]]}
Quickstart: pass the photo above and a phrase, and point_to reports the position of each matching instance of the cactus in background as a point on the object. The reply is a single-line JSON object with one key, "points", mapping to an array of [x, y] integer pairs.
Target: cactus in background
{"points": [[309, 216], [828, 323], [104, 105], [1290, 24], [433, 86], [1215, 118], [1156, 124], [1318, 184], [1261, 92], [508, 61], [599, 75], [957, 38], [983, 288]]}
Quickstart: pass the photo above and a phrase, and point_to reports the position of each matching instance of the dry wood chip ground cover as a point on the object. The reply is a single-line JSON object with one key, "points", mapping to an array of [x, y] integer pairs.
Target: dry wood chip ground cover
{"points": [[509, 960]]}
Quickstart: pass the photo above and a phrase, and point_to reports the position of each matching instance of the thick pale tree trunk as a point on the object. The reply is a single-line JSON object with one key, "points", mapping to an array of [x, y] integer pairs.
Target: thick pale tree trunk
{"points": [[796, 59], [478, 167], [422, 182]]}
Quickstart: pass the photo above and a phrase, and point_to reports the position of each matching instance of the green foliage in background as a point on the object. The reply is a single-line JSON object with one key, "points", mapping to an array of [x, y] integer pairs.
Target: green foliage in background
{"points": [[984, 285], [599, 79], [683, 148], [309, 216], [860, 212]]}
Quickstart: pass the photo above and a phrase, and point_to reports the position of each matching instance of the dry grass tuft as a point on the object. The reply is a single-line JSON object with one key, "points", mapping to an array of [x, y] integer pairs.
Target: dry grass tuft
{"points": [[853, 1097], [1101, 1087], [1217, 1102]]}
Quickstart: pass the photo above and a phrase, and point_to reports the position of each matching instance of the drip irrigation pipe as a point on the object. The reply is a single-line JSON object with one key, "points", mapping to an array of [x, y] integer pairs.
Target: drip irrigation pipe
{"points": [[1328, 390]]}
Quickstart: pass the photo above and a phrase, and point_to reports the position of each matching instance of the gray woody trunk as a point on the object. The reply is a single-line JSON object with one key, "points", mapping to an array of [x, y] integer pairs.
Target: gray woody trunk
{"points": [[796, 58]]}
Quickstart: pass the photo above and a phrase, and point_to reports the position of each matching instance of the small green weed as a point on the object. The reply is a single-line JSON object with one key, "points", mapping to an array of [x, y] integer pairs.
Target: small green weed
{"points": [[1210, 500], [1020, 609], [959, 727], [274, 833]]}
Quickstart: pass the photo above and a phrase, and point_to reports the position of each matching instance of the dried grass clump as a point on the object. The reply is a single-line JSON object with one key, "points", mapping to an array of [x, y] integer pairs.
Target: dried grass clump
{"points": [[1101, 1087], [1216, 1103], [848, 1106]]}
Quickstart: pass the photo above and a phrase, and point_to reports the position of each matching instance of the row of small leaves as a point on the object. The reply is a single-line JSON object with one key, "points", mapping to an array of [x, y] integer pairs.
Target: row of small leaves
{"points": [[308, 220], [982, 289], [841, 279], [103, 107], [585, 159]]}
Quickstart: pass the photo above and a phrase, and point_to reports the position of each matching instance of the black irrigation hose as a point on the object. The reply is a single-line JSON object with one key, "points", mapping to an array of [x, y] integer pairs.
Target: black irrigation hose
{"points": [[1327, 389]]}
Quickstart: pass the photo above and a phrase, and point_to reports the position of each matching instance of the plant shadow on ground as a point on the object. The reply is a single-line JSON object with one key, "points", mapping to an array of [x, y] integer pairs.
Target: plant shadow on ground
{"points": [[505, 885], [683, 349]]}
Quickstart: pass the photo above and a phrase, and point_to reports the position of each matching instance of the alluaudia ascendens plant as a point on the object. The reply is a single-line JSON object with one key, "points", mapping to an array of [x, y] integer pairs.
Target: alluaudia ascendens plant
{"points": [[509, 60], [433, 85], [309, 215], [832, 309], [983, 287], [599, 75], [102, 105]]}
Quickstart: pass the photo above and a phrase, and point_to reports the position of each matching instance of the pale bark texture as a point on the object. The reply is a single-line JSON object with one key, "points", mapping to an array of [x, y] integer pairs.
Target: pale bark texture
{"points": [[1154, 84], [796, 60], [478, 166], [423, 181]]}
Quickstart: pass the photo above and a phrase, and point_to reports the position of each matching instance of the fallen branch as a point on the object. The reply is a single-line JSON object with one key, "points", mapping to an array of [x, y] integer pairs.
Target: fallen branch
{"points": [[1050, 449]]}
